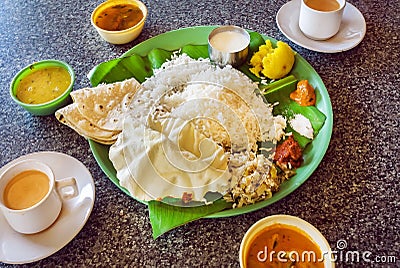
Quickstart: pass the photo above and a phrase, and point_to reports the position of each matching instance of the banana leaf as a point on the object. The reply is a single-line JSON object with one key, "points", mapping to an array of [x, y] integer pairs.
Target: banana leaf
{"points": [[120, 69], [256, 40], [165, 215], [195, 52], [278, 92], [157, 57]]}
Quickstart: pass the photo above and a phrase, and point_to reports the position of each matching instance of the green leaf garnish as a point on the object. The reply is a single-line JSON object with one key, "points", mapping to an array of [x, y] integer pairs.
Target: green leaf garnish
{"points": [[196, 52], [165, 217], [158, 56], [278, 92]]}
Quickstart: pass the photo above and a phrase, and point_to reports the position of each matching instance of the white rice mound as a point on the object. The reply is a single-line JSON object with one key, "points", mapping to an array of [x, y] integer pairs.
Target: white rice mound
{"points": [[205, 80], [224, 105]]}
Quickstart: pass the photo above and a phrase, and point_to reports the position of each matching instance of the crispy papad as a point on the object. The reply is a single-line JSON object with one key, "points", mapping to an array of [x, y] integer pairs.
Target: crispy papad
{"points": [[170, 161]]}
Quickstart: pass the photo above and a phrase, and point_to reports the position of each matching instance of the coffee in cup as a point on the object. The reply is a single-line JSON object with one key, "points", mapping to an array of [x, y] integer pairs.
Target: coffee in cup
{"points": [[320, 19], [323, 5], [26, 189], [31, 197]]}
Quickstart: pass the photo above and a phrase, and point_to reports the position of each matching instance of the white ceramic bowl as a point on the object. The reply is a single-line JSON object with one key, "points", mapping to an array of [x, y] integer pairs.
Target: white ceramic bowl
{"points": [[123, 36], [296, 222]]}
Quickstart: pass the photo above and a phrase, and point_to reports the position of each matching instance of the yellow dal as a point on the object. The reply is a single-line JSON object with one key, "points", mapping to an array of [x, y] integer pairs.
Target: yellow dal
{"points": [[43, 85]]}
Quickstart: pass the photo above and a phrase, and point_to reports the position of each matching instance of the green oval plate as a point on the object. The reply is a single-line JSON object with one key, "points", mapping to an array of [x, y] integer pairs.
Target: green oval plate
{"points": [[313, 154]]}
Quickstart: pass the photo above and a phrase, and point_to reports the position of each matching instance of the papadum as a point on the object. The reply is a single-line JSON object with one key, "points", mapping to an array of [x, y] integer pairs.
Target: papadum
{"points": [[170, 161]]}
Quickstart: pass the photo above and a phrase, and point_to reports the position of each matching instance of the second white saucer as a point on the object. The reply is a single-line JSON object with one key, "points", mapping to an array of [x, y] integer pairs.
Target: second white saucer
{"points": [[351, 32]]}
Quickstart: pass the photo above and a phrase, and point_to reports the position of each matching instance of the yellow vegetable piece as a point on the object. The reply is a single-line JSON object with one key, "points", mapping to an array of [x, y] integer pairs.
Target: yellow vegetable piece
{"points": [[273, 63]]}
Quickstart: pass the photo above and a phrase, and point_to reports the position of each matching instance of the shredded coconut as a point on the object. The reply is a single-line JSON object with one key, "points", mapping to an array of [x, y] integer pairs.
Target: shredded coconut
{"points": [[302, 125]]}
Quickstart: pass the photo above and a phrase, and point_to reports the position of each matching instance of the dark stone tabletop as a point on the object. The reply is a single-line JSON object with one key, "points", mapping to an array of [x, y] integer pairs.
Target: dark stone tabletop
{"points": [[353, 195]]}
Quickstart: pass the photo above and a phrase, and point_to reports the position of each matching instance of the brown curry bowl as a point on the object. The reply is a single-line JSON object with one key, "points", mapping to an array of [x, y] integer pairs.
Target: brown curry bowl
{"points": [[267, 242], [119, 35]]}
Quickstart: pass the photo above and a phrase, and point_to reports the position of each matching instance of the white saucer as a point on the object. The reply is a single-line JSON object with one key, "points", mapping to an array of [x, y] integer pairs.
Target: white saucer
{"points": [[351, 32], [16, 248]]}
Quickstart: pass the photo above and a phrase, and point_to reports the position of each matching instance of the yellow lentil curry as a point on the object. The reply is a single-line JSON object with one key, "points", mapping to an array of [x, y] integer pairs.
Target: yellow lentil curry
{"points": [[119, 17], [281, 245], [43, 85]]}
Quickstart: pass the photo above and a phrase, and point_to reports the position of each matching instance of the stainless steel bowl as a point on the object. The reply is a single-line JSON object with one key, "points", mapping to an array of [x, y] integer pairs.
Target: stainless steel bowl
{"points": [[228, 45]]}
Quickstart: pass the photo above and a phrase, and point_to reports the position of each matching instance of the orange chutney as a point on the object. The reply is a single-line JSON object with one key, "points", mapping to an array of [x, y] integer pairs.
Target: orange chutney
{"points": [[281, 245], [304, 94], [119, 17]]}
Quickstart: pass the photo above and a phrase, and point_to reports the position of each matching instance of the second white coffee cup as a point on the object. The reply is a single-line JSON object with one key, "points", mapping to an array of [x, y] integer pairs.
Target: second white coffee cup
{"points": [[321, 22], [31, 205]]}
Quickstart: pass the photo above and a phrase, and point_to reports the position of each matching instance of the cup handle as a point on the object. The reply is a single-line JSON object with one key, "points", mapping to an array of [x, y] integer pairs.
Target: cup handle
{"points": [[67, 188]]}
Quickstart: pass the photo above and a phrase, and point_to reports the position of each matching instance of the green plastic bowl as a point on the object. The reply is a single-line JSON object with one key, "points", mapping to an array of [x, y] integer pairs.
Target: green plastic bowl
{"points": [[49, 107]]}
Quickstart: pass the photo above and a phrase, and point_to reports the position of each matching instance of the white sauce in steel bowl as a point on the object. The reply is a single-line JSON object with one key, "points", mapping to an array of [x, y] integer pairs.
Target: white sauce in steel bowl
{"points": [[229, 41]]}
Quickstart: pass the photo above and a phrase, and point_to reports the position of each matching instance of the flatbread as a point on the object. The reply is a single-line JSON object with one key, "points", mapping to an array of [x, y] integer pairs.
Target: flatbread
{"points": [[70, 116], [105, 105]]}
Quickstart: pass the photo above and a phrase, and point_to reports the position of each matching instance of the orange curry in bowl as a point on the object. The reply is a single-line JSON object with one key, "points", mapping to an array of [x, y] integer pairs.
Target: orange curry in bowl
{"points": [[281, 245], [119, 17]]}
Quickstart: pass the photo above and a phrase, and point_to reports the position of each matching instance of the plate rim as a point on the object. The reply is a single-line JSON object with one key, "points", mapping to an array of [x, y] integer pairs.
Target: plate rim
{"points": [[327, 129]]}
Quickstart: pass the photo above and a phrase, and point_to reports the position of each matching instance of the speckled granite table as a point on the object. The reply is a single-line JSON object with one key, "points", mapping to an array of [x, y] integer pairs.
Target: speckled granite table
{"points": [[353, 195]]}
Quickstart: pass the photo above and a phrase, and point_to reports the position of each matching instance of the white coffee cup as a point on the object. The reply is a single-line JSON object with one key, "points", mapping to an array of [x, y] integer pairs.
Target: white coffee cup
{"points": [[41, 214], [320, 25]]}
